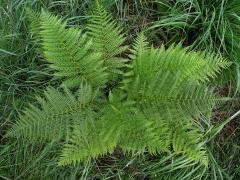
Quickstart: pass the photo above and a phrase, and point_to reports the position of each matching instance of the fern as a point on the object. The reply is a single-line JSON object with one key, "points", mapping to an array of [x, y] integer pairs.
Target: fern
{"points": [[154, 109], [94, 137], [57, 112], [108, 39], [70, 53], [139, 46]]}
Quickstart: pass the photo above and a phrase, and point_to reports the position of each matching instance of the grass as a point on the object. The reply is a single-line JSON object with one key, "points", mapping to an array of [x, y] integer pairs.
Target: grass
{"points": [[203, 24]]}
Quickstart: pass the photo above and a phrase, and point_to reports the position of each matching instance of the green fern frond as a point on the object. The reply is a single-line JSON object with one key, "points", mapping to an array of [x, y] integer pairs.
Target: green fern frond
{"points": [[171, 111], [96, 136], [172, 76], [187, 140], [70, 53], [139, 46], [54, 114], [166, 83], [84, 142], [108, 39], [211, 67], [200, 66], [194, 66]]}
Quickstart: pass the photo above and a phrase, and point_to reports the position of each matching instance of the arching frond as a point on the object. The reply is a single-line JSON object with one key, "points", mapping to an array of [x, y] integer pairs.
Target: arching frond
{"points": [[96, 136], [70, 53], [139, 46], [168, 83], [108, 39], [194, 66], [54, 114]]}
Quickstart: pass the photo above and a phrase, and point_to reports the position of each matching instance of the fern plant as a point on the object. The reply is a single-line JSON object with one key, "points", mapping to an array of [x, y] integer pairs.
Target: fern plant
{"points": [[155, 106]]}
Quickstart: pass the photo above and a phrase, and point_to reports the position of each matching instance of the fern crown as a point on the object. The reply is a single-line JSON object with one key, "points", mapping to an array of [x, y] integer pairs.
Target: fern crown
{"points": [[155, 106]]}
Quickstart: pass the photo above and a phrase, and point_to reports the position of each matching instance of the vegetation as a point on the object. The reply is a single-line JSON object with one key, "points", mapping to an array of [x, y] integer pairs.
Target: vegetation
{"points": [[85, 95]]}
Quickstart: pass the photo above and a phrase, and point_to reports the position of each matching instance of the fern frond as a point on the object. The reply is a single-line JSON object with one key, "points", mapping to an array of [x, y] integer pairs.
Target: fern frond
{"points": [[70, 53], [200, 66], [108, 39], [187, 140], [212, 65], [166, 83], [54, 114], [96, 136], [139, 46], [194, 66], [84, 142], [174, 107]]}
